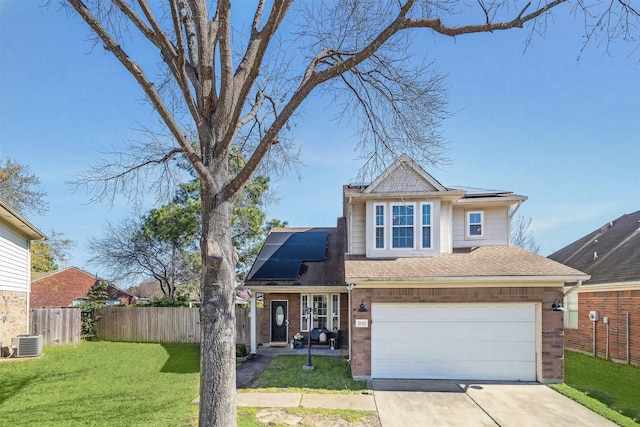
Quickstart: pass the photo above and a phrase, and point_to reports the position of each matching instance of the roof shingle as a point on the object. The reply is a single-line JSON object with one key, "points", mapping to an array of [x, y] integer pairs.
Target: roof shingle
{"points": [[610, 254], [494, 261]]}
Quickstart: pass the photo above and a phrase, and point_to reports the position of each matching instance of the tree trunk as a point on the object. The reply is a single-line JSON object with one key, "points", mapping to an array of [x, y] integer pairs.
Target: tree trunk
{"points": [[217, 315]]}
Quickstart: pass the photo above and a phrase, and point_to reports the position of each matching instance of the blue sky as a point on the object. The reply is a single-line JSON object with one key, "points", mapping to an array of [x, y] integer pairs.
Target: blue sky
{"points": [[563, 132]]}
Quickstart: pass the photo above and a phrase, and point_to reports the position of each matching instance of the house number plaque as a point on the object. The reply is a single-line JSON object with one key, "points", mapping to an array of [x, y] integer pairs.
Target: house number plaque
{"points": [[362, 323]]}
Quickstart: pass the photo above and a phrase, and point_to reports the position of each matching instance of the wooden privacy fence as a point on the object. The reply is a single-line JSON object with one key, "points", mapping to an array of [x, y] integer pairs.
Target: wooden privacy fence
{"points": [[59, 325], [160, 324]]}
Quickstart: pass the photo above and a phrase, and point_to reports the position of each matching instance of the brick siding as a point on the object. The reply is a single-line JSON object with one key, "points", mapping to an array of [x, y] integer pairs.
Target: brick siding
{"points": [[552, 339], [13, 305], [615, 305], [293, 315]]}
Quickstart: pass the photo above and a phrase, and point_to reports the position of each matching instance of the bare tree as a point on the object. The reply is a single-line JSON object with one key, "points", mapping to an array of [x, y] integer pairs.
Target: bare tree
{"points": [[240, 84], [128, 253], [521, 235]]}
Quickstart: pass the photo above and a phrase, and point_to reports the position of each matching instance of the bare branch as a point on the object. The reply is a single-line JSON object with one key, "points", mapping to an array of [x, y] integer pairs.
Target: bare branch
{"points": [[145, 84], [251, 115]]}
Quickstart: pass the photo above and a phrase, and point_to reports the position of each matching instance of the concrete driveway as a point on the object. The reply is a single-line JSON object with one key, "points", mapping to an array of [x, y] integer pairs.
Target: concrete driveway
{"points": [[446, 403]]}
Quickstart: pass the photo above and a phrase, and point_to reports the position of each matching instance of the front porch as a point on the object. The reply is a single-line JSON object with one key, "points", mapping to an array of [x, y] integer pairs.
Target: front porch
{"points": [[321, 350], [284, 315]]}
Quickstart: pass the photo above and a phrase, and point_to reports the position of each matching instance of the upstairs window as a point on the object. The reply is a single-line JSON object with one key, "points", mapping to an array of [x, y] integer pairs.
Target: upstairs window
{"points": [[402, 226], [379, 226], [475, 224], [426, 226]]}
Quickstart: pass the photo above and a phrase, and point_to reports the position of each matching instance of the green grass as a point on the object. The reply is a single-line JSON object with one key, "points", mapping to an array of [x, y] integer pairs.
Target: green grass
{"points": [[330, 375], [594, 405], [615, 385], [102, 384], [132, 384]]}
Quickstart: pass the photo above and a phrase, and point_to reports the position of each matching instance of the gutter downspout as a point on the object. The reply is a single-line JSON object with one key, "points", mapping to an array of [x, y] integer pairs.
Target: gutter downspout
{"points": [[350, 287], [628, 354], [573, 288], [513, 212], [254, 319]]}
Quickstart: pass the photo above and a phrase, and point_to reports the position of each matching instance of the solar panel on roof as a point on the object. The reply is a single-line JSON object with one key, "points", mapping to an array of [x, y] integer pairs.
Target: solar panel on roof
{"points": [[283, 253]]}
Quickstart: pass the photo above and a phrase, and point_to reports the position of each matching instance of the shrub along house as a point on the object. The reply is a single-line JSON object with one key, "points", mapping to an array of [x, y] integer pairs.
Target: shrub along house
{"points": [[431, 286], [603, 315]]}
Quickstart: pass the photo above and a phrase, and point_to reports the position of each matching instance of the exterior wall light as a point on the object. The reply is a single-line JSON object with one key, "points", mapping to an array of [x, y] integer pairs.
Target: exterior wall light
{"points": [[557, 306], [362, 308]]}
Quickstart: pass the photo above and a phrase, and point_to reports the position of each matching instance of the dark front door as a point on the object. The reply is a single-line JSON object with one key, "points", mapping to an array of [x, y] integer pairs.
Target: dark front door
{"points": [[279, 321]]}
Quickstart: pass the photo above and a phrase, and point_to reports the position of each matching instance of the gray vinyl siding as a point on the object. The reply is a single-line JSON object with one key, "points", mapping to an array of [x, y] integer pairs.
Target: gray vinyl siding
{"points": [[357, 235], [496, 227], [403, 180]]}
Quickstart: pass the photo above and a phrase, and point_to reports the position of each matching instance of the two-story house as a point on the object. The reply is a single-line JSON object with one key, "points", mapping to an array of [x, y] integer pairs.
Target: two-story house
{"points": [[421, 281], [16, 234]]}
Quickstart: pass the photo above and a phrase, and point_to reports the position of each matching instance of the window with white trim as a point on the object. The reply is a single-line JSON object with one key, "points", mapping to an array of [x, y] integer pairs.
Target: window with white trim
{"points": [[475, 224], [402, 226], [426, 225], [326, 312], [571, 315], [320, 311], [379, 222], [304, 306], [335, 312]]}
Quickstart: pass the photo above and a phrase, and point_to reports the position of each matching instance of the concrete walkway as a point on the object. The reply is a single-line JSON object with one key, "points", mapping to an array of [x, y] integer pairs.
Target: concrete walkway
{"points": [[363, 402], [402, 403]]}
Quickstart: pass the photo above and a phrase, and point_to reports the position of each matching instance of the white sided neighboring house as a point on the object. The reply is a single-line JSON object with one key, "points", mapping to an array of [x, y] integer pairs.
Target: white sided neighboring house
{"points": [[16, 234]]}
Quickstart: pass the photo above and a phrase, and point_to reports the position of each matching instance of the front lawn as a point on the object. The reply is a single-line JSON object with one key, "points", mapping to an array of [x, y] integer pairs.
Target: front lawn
{"points": [[102, 383], [616, 385], [133, 384], [330, 374]]}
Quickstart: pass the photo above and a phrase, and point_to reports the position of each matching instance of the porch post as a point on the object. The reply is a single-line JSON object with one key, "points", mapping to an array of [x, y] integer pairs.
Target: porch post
{"points": [[254, 324]]}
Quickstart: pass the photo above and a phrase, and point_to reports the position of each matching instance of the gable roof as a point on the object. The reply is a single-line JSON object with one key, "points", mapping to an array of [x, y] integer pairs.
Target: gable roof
{"points": [[402, 169], [301, 257], [59, 288], [610, 254], [407, 179], [9, 215], [42, 275], [491, 263]]}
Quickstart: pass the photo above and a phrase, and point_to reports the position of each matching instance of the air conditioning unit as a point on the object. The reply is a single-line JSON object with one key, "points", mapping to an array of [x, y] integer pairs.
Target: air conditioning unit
{"points": [[27, 345], [593, 316]]}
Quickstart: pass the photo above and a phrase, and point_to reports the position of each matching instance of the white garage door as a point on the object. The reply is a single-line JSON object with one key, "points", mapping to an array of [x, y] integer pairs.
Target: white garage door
{"points": [[454, 341]]}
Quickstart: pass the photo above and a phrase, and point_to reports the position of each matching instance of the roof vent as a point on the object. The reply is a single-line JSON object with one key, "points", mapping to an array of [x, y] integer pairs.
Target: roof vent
{"points": [[595, 256], [606, 226]]}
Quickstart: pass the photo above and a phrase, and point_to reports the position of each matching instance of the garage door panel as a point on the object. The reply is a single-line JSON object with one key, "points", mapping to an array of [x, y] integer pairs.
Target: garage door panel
{"points": [[485, 351], [432, 331], [463, 312], [456, 341], [499, 371]]}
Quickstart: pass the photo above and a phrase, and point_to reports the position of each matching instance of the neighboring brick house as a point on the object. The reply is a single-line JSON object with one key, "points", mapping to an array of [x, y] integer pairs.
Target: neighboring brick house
{"points": [[16, 233], [431, 286], [611, 255], [61, 288]]}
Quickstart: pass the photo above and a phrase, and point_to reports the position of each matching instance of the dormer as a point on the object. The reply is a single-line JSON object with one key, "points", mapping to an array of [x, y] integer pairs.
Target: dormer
{"points": [[406, 212]]}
